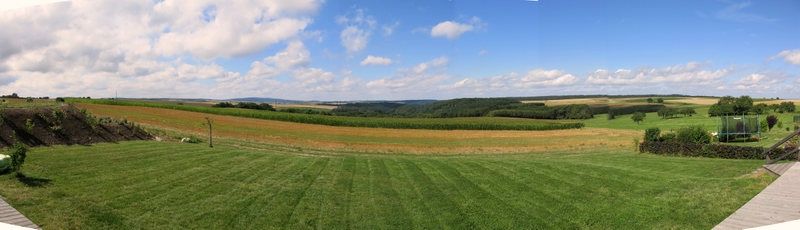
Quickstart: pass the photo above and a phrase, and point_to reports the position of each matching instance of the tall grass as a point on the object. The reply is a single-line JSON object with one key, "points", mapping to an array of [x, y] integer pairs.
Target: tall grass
{"points": [[371, 122]]}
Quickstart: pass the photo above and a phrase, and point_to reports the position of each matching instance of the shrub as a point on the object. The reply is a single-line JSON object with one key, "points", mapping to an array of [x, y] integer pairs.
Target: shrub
{"points": [[707, 150], [693, 134], [652, 134], [18, 154], [771, 121], [660, 100], [29, 125], [59, 99]]}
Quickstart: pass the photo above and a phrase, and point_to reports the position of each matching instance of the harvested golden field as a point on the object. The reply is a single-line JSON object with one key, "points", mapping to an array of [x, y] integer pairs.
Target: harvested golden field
{"points": [[694, 100], [373, 139], [588, 101]]}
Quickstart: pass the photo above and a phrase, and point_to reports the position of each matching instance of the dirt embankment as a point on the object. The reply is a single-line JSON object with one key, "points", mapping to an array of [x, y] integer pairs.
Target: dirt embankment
{"points": [[65, 125]]}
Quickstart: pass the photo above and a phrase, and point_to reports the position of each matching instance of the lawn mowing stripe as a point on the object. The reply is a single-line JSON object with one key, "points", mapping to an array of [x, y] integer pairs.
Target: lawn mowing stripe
{"points": [[474, 205], [228, 178], [318, 202], [165, 178], [343, 186], [223, 185], [247, 210], [79, 176], [268, 208], [307, 212], [408, 191], [449, 210], [296, 201], [496, 211], [362, 210], [556, 193], [390, 208], [516, 194]]}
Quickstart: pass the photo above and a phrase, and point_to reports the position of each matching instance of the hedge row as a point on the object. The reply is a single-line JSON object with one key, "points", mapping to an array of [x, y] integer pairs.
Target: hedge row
{"points": [[624, 110], [543, 112], [706, 150]]}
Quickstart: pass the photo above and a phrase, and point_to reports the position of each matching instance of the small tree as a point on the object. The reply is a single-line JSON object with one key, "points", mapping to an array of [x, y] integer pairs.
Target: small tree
{"points": [[18, 154], [771, 121], [638, 117], [649, 100], [660, 100]]}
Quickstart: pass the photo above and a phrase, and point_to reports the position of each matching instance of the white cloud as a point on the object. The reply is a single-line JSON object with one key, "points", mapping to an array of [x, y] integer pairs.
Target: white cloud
{"points": [[295, 55], [210, 29], [691, 72], [376, 60], [540, 77], [756, 81], [358, 28], [354, 39], [790, 56], [423, 77], [144, 48], [452, 30], [13, 5]]}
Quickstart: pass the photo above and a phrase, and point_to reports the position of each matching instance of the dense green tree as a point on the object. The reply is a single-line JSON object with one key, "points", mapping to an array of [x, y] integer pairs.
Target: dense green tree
{"points": [[638, 117]]}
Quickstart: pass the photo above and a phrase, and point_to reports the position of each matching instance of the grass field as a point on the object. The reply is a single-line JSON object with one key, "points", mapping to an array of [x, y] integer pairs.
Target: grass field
{"points": [[461, 123], [371, 139], [700, 119], [163, 185]]}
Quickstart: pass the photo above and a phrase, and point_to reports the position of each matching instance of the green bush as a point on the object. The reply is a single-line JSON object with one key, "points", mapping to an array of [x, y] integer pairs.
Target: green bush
{"points": [[17, 157], [708, 150], [693, 134], [652, 134]]}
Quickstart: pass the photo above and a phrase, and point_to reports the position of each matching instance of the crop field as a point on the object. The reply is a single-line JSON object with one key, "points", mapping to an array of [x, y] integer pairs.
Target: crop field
{"points": [[468, 123], [372, 139], [175, 185]]}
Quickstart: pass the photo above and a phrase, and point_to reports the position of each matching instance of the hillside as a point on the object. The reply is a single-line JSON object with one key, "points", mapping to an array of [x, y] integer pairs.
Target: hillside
{"points": [[62, 126]]}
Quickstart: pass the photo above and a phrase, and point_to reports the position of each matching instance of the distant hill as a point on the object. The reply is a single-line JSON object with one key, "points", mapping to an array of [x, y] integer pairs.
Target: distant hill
{"points": [[268, 100]]}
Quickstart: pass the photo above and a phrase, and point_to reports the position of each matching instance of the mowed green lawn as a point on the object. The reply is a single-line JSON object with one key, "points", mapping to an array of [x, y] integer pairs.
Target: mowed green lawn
{"points": [[163, 185]]}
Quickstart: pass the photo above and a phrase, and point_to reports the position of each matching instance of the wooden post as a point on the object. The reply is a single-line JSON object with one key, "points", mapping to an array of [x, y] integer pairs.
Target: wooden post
{"points": [[210, 136]]}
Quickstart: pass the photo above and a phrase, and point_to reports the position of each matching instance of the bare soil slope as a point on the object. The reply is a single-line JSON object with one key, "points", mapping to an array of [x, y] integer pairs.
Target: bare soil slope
{"points": [[62, 126]]}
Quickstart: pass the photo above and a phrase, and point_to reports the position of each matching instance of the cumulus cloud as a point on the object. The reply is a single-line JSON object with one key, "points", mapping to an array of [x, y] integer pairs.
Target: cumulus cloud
{"points": [[420, 78], [452, 30], [143, 48], [533, 81], [295, 55], [376, 60], [691, 72], [756, 81], [790, 56], [358, 28]]}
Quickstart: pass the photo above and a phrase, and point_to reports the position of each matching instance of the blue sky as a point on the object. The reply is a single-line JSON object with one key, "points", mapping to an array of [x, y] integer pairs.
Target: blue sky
{"points": [[421, 49]]}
